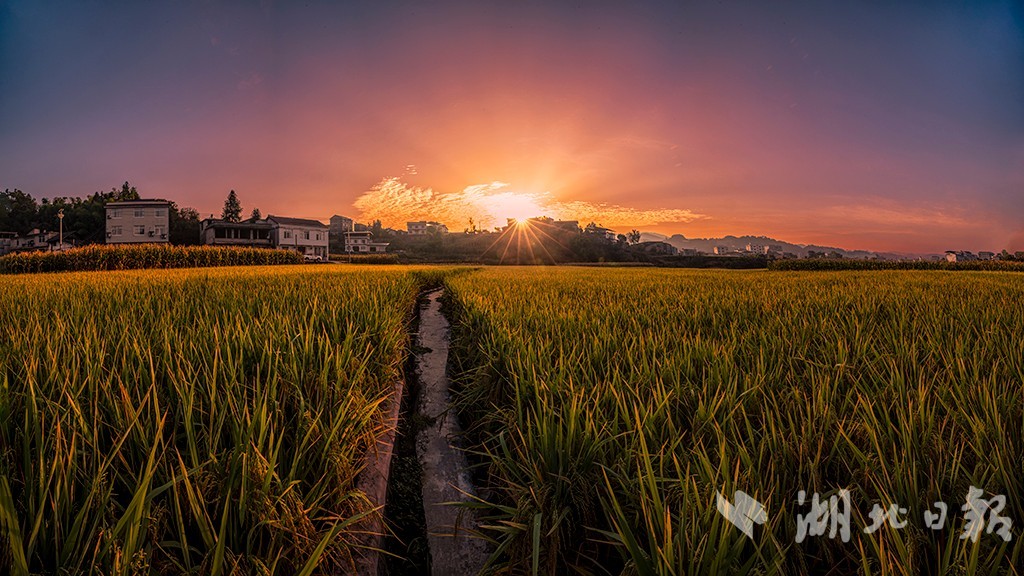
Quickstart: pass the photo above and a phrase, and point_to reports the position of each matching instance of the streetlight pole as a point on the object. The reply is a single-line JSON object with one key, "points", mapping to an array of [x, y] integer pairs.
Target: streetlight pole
{"points": [[60, 217]]}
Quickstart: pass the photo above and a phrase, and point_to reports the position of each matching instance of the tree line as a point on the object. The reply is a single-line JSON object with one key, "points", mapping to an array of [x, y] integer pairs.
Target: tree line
{"points": [[85, 218]]}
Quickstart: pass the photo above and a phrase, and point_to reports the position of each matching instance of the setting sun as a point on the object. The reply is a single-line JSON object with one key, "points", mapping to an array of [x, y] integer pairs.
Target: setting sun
{"points": [[518, 206]]}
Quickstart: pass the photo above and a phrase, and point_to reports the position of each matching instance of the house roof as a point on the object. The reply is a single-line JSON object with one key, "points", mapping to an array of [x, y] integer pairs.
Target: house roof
{"points": [[131, 203], [297, 221], [247, 224]]}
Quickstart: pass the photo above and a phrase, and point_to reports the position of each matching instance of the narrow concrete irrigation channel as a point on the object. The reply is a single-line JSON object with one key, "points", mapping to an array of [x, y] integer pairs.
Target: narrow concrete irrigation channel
{"points": [[428, 470]]}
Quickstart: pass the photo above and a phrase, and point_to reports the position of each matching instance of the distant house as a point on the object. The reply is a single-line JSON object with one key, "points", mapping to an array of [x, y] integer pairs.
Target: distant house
{"points": [[340, 224], [307, 237], [986, 255], [600, 231], [8, 242], [656, 248], [423, 227], [960, 256], [35, 241], [138, 221], [723, 250], [251, 233], [362, 243]]}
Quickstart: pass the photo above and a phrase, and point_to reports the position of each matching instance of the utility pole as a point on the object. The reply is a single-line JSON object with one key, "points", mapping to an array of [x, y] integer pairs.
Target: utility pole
{"points": [[60, 217]]}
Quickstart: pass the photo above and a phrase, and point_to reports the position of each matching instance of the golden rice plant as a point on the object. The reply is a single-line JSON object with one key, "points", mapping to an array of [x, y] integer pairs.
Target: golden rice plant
{"points": [[193, 421], [609, 407]]}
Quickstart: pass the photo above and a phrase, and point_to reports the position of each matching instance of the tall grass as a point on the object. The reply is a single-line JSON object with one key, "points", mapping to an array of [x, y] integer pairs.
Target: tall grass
{"points": [[193, 421], [610, 407], [136, 256]]}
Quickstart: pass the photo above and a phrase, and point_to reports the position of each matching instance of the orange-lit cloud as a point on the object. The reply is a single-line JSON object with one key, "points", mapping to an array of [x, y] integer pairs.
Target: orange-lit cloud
{"points": [[395, 202]]}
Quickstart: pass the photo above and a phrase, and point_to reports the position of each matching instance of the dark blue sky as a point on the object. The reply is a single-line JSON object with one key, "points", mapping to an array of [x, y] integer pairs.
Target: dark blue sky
{"points": [[882, 125]]}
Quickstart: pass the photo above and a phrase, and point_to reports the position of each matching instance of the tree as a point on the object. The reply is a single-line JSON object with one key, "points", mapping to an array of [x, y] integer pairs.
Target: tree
{"points": [[18, 212], [376, 228], [633, 236], [184, 225], [127, 192], [232, 208], [256, 214]]}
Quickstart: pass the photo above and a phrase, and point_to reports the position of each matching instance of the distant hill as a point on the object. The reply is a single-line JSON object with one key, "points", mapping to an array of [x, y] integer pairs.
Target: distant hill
{"points": [[740, 243]]}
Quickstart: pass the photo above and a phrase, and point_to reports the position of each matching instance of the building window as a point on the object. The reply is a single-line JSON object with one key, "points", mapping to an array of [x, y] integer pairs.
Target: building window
{"points": [[306, 237], [140, 230], [160, 230], [287, 234], [158, 212], [140, 213], [115, 213], [115, 231]]}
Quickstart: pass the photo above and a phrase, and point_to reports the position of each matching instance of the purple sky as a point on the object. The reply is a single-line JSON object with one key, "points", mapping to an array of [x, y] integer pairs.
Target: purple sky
{"points": [[878, 125]]}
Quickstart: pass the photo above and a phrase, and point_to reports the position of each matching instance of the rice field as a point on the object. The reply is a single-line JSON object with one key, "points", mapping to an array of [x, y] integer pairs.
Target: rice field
{"points": [[609, 407], [193, 421], [213, 421]]}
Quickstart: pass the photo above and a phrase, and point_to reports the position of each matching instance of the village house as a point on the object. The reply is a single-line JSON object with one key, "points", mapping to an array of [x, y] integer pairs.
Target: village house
{"points": [[8, 241], [307, 237], [252, 233], [138, 221], [960, 256], [656, 248], [340, 224], [361, 242], [35, 241], [423, 228]]}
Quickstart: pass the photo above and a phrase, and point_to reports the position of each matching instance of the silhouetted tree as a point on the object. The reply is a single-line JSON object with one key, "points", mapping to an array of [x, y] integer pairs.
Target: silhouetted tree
{"points": [[256, 214], [634, 236], [18, 212], [232, 208], [184, 225], [127, 192]]}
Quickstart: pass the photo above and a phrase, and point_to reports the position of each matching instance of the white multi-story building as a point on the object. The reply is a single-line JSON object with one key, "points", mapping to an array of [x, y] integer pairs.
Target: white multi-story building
{"points": [[138, 221], [340, 225], [361, 242], [308, 237]]}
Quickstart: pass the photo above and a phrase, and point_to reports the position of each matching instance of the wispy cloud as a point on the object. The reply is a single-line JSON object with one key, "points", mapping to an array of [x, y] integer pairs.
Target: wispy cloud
{"points": [[251, 81], [394, 202], [889, 213]]}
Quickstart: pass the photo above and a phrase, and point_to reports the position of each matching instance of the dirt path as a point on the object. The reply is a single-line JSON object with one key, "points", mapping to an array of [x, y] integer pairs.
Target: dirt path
{"points": [[454, 550]]}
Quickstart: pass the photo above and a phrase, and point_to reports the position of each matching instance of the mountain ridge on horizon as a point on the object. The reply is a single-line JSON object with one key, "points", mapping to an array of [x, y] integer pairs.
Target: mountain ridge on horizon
{"points": [[740, 242]]}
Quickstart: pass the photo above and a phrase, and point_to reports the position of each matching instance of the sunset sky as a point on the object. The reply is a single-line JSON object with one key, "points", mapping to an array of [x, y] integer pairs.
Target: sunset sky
{"points": [[879, 125]]}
